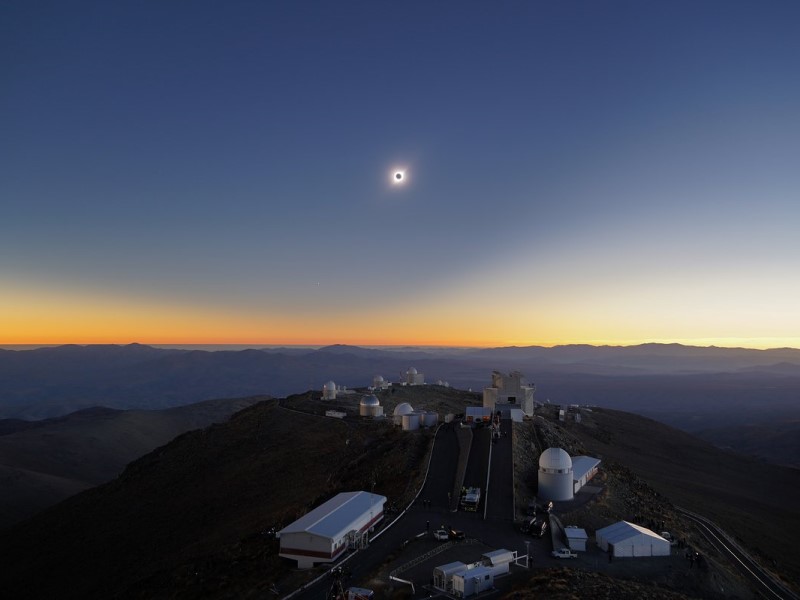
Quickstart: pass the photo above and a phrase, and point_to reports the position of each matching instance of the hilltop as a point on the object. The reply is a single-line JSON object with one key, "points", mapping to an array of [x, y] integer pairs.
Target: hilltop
{"points": [[193, 517], [712, 392]]}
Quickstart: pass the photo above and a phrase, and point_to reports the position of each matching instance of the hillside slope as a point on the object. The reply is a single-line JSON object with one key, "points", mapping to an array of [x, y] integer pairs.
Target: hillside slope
{"points": [[755, 501], [43, 462], [187, 519]]}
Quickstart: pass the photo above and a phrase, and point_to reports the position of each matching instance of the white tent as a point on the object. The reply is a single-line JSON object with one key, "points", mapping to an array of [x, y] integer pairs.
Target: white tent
{"points": [[627, 539]]}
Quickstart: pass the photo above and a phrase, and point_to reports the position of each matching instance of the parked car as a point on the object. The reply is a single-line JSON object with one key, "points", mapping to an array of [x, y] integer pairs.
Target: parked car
{"points": [[535, 526], [563, 553], [442, 535], [456, 534]]}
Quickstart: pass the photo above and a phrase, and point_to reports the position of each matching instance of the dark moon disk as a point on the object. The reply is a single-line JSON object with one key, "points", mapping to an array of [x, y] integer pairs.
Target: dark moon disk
{"points": [[398, 175]]}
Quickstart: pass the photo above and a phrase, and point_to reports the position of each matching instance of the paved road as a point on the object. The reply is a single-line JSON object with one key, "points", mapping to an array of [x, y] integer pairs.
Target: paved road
{"points": [[441, 475], [478, 462], [500, 496]]}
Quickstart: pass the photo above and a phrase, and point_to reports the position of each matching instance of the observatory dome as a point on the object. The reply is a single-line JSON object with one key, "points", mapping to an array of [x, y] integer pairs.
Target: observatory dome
{"points": [[404, 408], [330, 386], [411, 371], [370, 400], [555, 459]]}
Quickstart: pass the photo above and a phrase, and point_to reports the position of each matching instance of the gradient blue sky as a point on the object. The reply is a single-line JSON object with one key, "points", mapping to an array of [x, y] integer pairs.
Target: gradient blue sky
{"points": [[209, 172]]}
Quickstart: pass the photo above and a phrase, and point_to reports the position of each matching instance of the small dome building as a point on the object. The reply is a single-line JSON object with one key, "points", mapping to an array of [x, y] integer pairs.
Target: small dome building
{"points": [[413, 377], [379, 383], [555, 475], [329, 391], [404, 408], [370, 406]]}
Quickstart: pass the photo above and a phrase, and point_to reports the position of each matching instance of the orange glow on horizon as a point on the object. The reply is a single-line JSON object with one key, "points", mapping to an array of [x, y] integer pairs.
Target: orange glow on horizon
{"points": [[42, 317]]}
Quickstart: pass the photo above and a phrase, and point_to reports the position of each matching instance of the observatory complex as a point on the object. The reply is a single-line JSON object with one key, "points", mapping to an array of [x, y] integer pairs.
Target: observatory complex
{"points": [[509, 394]]}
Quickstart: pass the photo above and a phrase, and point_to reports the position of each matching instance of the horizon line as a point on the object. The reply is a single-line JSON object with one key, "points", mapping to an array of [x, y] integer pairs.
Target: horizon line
{"points": [[317, 346]]}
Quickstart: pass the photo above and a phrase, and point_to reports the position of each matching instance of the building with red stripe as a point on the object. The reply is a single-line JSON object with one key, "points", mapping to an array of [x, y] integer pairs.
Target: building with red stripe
{"points": [[323, 535]]}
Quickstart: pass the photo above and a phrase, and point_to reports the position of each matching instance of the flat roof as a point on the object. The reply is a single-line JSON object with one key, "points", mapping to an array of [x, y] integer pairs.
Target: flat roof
{"points": [[338, 515], [576, 533], [581, 465]]}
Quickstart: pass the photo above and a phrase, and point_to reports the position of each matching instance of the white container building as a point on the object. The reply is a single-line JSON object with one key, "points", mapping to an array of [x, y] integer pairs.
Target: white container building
{"points": [[576, 538], [443, 575], [322, 535], [499, 561], [472, 581]]}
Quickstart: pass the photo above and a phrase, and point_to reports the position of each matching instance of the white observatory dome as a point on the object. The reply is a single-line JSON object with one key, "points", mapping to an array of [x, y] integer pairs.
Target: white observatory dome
{"points": [[411, 371], [330, 386], [378, 379], [555, 459], [370, 400], [404, 408]]}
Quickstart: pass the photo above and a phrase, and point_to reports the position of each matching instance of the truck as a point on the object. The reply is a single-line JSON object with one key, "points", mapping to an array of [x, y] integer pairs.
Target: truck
{"points": [[470, 498], [563, 553]]}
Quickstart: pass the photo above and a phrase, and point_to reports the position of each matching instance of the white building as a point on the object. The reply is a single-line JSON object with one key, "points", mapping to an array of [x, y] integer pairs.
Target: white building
{"points": [[507, 392], [410, 422], [499, 561], [576, 538], [562, 476], [414, 378], [473, 581], [329, 391], [326, 532], [370, 406], [404, 408], [628, 539], [555, 475], [443, 575], [379, 383], [583, 469]]}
